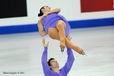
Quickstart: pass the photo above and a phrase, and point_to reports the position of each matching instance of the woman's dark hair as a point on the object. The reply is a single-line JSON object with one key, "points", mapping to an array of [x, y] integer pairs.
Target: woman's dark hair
{"points": [[50, 61], [41, 13]]}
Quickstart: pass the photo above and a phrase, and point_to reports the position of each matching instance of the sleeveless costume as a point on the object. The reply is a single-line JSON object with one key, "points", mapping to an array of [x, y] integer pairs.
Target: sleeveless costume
{"points": [[51, 20]]}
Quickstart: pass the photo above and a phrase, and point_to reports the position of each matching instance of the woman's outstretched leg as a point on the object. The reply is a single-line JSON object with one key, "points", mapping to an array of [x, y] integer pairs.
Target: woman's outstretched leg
{"points": [[74, 47]]}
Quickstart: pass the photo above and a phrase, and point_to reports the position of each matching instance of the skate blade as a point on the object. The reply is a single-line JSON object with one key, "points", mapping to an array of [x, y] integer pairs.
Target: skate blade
{"points": [[62, 49], [83, 53]]}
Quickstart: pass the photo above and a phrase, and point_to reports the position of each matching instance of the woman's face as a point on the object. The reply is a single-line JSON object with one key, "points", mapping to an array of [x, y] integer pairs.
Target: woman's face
{"points": [[46, 9]]}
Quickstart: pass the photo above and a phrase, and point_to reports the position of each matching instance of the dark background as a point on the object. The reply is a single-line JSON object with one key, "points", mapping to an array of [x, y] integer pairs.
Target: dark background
{"points": [[13, 8]]}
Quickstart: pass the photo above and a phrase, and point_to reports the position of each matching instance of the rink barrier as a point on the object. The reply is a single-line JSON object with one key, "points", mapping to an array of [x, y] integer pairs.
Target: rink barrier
{"points": [[74, 24]]}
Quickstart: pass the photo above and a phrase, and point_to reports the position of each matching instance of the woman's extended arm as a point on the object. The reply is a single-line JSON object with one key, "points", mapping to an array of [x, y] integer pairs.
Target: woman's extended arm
{"points": [[40, 27], [56, 10]]}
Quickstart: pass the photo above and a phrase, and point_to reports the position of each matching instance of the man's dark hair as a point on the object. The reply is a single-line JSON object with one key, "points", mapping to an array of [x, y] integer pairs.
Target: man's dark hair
{"points": [[50, 61]]}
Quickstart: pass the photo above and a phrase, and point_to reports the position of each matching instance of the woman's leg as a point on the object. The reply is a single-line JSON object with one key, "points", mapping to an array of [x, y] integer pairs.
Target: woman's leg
{"points": [[54, 34], [74, 47], [60, 25]]}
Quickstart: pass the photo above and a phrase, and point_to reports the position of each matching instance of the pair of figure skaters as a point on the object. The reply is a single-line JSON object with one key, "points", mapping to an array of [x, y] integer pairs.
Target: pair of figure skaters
{"points": [[58, 28]]}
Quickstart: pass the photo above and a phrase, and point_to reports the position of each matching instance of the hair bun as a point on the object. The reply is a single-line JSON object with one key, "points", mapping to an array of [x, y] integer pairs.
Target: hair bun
{"points": [[39, 14]]}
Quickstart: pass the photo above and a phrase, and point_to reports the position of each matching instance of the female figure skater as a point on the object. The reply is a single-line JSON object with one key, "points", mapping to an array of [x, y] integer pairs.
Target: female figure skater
{"points": [[56, 26]]}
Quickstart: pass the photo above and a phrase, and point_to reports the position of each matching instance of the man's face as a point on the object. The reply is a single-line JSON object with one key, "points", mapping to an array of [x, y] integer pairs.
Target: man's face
{"points": [[54, 64]]}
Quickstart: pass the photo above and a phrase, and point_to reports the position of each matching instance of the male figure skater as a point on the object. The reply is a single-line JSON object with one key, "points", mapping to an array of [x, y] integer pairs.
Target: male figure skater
{"points": [[51, 68]]}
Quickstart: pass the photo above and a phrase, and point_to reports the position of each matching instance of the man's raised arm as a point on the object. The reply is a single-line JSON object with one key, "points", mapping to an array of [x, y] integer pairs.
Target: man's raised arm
{"points": [[70, 60], [45, 66]]}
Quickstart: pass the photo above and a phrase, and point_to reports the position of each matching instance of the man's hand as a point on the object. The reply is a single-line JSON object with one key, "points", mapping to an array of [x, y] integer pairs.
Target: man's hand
{"points": [[45, 45]]}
